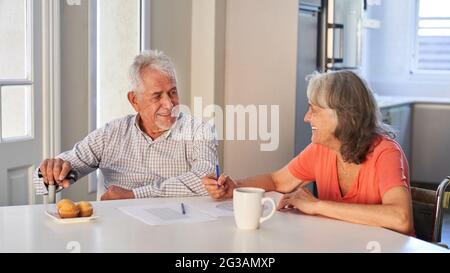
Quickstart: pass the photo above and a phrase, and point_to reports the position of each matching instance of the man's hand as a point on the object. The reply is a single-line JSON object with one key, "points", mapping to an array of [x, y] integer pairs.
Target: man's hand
{"points": [[221, 188], [54, 170], [301, 199], [115, 193]]}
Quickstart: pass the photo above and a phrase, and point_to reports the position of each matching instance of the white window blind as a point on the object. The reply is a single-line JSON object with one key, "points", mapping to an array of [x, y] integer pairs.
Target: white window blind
{"points": [[433, 35]]}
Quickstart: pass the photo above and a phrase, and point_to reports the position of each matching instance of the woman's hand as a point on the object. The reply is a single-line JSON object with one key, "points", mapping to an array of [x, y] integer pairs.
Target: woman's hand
{"points": [[301, 199], [221, 188]]}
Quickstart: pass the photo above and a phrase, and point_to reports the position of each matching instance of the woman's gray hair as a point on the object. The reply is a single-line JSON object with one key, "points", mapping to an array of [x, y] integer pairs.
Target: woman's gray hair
{"points": [[153, 59], [359, 125]]}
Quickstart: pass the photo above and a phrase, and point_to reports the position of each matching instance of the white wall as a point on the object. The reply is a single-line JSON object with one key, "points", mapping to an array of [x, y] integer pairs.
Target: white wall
{"points": [[171, 23], [208, 56], [261, 55], [389, 52], [75, 85]]}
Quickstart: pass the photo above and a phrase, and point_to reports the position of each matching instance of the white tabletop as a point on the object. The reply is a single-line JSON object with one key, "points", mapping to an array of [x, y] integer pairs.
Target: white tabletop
{"points": [[29, 229]]}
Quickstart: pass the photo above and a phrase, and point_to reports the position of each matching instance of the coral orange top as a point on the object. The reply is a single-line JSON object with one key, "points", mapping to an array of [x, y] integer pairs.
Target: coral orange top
{"points": [[385, 167]]}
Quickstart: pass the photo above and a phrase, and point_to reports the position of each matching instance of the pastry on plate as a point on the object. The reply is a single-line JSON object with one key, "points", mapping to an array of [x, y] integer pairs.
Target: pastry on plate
{"points": [[62, 202], [69, 210], [86, 209]]}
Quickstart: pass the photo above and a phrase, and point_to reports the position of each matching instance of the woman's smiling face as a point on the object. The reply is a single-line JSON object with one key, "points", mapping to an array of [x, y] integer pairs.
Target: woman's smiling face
{"points": [[323, 123]]}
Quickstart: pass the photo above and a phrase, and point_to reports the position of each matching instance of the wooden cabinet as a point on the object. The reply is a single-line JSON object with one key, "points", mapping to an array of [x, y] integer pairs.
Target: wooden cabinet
{"points": [[400, 119]]}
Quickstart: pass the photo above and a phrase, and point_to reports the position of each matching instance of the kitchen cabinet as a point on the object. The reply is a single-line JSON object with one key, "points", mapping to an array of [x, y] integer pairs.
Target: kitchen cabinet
{"points": [[400, 119], [430, 143]]}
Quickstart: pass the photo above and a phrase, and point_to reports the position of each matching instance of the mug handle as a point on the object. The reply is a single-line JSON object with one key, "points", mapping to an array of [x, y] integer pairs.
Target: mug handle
{"points": [[270, 200]]}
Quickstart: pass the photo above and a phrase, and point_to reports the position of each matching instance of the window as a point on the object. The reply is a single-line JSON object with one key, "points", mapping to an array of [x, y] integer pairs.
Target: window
{"points": [[15, 70], [25, 53], [118, 33], [432, 52]]}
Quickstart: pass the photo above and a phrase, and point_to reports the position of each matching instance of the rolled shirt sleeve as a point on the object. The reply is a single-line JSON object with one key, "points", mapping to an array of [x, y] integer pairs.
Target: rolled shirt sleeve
{"points": [[84, 158]]}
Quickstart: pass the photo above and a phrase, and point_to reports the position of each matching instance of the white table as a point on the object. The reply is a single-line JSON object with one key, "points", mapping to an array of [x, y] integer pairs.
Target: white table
{"points": [[28, 229]]}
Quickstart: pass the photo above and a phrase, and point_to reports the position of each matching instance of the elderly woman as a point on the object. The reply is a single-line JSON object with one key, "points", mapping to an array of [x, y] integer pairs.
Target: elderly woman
{"points": [[361, 173]]}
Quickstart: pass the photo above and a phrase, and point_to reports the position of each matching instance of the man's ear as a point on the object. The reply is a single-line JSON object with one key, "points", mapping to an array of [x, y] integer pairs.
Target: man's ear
{"points": [[132, 98]]}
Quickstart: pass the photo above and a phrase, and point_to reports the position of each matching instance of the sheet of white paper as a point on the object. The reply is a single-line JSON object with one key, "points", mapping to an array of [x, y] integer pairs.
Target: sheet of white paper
{"points": [[215, 208], [166, 214]]}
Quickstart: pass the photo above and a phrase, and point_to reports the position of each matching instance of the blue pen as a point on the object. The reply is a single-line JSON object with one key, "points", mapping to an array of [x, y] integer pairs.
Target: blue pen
{"points": [[217, 174], [183, 210]]}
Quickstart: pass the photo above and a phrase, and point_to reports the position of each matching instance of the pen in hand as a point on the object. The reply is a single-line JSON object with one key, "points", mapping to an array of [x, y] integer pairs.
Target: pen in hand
{"points": [[217, 175], [183, 210]]}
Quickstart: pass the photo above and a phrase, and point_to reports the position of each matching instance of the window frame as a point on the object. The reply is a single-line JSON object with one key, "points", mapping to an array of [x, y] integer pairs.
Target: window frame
{"points": [[27, 81], [415, 72]]}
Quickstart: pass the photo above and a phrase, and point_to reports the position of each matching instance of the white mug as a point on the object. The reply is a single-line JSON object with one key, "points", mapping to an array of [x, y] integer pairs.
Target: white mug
{"points": [[248, 207]]}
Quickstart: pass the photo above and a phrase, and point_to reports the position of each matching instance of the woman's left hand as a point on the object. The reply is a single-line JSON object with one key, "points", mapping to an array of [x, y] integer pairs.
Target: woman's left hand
{"points": [[301, 199]]}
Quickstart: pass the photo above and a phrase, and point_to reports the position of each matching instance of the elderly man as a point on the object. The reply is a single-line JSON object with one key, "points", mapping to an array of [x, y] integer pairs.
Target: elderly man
{"points": [[158, 152]]}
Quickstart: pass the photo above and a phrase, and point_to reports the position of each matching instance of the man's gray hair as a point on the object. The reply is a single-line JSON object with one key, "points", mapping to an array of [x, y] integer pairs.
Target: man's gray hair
{"points": [[153, 59]]}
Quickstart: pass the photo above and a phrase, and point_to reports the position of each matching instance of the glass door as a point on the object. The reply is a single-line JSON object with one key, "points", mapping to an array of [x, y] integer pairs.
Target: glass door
{"points": [[20, 100]]}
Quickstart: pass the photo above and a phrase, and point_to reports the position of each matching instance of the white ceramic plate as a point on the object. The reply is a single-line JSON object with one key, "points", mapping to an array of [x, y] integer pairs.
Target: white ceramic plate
{"points": [[55, 216]]}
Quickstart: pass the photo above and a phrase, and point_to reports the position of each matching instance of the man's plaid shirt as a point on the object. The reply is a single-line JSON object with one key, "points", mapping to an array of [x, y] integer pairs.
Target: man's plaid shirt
{"points": [[171, 165]]}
